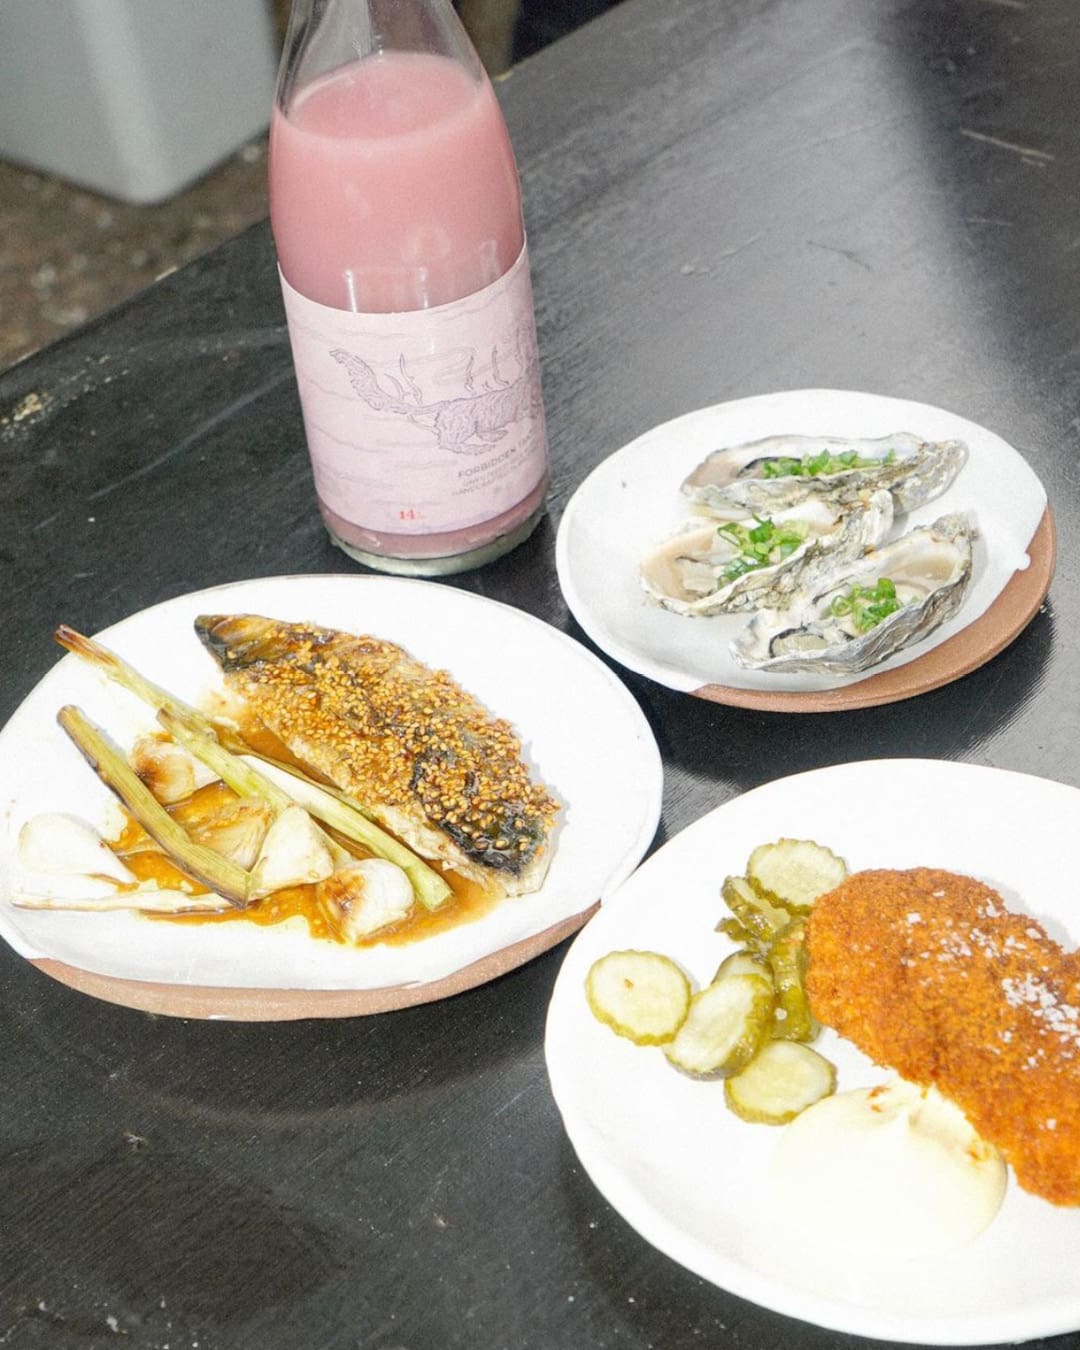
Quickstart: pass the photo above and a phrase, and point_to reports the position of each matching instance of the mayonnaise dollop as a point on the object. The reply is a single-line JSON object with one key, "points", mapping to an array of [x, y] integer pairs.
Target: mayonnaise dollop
{"points": [[894, 1170]]}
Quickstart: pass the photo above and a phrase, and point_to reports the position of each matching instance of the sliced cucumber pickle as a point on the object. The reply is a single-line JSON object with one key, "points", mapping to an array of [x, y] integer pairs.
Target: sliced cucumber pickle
{"points": [[782, 1080], [787, 958], [794, 872], [733, 929], [725, 1026], [743, 962], [640, 995], [756, 914]]}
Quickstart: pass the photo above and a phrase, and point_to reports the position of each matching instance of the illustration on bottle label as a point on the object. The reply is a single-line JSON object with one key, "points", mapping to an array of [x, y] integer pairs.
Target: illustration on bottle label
{"points": [[426, 421]]}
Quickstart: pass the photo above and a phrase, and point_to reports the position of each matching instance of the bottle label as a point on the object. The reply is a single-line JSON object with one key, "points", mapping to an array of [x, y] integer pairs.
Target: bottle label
{"points": [[427, 421]]}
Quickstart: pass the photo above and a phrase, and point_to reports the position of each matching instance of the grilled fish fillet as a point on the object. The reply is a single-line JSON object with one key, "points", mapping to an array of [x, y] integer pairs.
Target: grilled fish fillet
{"points": [[928, 973], [422, 756]]}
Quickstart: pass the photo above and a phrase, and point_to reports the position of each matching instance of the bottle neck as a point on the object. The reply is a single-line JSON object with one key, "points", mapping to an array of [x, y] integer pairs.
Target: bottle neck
{"points": [[323, 35], [392, 179]]}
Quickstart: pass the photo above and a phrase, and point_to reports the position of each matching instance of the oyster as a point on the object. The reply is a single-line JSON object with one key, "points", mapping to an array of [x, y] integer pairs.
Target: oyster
{"points": [[863, 612], [712, 567], [780, 471]]}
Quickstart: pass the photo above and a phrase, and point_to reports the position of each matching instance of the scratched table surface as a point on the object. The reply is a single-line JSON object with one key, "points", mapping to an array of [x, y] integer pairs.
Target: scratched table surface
{"points": [[724, 197]]}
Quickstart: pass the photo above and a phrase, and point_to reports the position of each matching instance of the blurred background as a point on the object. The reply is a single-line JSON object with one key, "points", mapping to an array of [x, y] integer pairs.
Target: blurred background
{"points": [[68, 252]]}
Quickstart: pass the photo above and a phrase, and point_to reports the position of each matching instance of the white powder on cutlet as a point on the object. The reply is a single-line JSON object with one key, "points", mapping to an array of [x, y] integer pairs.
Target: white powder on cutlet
{"points": [[1033, 994]]}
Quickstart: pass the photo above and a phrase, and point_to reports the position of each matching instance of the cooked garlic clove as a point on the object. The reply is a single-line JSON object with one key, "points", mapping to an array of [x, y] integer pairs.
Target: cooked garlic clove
{"points": [[237, 831], [294, 853], [361, 899], [63, 845], [168, 770]]}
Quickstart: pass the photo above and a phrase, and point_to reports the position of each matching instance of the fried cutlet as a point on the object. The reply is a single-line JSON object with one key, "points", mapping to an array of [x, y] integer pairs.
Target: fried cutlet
{"points": [[928, 973]]}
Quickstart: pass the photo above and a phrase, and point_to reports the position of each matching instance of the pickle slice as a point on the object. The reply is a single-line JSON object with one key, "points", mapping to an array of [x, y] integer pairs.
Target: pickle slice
{"points": [[783, 1079], [640, 995], [793, 1020], [725, 1025], [756, 914], [743, 962], [794, 872], [733, 929]]}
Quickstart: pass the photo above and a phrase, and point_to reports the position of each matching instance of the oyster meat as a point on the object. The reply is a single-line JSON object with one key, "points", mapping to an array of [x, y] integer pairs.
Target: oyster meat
{"points": [[712, 567], [863, 612], [781, 471]]}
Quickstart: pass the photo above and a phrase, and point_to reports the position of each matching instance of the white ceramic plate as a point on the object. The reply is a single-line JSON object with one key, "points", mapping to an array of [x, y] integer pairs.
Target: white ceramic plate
{"points": [[689, 1176], [632, 500], [590, 744]]}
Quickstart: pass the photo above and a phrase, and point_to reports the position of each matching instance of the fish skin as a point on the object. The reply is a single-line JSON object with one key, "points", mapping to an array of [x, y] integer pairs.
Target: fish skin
{"points": [[423, 756]]}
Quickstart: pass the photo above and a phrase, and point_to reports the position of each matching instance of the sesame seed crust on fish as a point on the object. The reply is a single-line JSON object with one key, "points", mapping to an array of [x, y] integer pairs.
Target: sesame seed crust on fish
{"points": [[426, 758], [929, 973]]}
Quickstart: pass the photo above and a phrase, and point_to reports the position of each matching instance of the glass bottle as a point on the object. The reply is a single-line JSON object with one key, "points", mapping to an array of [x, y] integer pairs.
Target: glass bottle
{"points": [[396, 211]]}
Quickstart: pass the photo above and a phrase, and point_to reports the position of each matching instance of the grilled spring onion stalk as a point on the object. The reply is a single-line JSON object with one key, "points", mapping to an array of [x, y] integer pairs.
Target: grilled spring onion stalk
{"points": [[429, 888], [118, 669], [198, 733], [202, 864]]}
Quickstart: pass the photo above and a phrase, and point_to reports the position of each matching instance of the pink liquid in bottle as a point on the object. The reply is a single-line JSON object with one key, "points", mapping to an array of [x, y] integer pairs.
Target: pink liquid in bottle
{"points": [[395, 205]]}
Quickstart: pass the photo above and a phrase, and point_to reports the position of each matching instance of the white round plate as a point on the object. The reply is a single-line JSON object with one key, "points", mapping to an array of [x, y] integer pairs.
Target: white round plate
{"points": [[590, 744], [692, 1178], [632, 500]]}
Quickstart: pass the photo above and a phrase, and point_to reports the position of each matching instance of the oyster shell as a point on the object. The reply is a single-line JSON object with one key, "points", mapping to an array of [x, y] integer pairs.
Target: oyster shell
{"points": [[929, 567], [699, 570], [765, 475]]}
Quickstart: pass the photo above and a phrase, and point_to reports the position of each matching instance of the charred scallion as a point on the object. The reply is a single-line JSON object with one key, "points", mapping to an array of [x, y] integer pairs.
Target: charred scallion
{"points": [[203, 738], [336, 810], [201, 864], [430, 888], [118, 669]]}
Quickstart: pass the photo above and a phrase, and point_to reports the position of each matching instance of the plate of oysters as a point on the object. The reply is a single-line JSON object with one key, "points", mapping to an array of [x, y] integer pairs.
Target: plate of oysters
{"points": [[808, 551], [314, 797]]}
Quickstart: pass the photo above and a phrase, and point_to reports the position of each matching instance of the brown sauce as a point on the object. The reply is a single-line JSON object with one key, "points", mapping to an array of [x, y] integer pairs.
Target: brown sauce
{"points": [[469, 900]]}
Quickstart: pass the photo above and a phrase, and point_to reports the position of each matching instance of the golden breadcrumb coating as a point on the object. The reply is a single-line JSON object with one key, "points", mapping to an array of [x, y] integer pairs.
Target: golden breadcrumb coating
{"points": [[928, 972]]}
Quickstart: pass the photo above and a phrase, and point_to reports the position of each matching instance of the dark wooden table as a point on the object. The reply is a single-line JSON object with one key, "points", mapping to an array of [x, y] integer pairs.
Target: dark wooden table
{"points": [[724, 197]]}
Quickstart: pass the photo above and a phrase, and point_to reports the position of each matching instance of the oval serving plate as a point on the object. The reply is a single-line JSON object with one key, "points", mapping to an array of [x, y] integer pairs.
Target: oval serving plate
{"points": [[632, 500], [596, 753]]}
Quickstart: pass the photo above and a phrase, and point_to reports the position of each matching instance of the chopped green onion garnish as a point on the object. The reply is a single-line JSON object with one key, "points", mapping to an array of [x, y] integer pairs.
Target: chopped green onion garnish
{"points": [[763, 544], [866, 606], [822, 464]]}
